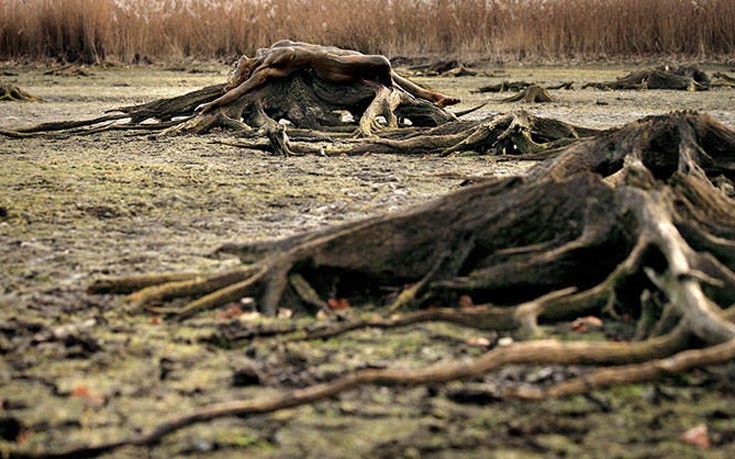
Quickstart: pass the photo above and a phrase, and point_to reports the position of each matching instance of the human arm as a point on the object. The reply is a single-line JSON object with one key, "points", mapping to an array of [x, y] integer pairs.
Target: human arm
{"points": [[259, 77]]}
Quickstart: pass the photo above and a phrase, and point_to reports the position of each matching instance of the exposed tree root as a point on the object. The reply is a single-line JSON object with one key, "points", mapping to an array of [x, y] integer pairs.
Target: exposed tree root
{"points": [[635, 373], [517, 133], [610, 242]]}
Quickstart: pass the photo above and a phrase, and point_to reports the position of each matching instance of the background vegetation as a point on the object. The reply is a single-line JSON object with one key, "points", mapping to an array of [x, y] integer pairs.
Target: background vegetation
{"points": [[98, 30]]}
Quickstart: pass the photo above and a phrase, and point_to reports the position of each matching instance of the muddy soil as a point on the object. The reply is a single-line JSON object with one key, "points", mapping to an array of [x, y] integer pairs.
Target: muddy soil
{"points": [[79, 369]]}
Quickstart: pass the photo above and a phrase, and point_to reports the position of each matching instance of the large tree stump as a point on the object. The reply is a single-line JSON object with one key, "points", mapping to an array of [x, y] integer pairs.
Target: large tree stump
{"points": [[389, 120], [305, 101]]}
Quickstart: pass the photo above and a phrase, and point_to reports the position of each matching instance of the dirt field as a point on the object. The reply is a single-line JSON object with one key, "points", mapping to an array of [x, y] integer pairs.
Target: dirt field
{"points": [[79, 369]]}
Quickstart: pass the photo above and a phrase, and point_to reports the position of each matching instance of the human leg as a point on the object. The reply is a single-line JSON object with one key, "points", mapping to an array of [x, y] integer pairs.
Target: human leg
{"points": [[416, 90]]}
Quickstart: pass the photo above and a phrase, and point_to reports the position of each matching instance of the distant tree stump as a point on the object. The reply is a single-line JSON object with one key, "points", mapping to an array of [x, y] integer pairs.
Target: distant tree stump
{"points": [[450, 68], [676, 78], [532, 94], [11, 92], [505, 86]]}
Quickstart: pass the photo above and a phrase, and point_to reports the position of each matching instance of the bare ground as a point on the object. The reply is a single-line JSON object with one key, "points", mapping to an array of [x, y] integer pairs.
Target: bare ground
{"points": [[79, 369]]}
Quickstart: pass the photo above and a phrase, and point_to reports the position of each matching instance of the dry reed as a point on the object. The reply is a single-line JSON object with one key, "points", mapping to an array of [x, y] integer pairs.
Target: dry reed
{"points": [[97, 30]]}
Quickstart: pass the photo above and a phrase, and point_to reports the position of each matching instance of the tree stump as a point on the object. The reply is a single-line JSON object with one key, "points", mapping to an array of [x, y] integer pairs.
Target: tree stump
{"points": [[505, 86], [531, 94], [11, 92], [665, 77]]}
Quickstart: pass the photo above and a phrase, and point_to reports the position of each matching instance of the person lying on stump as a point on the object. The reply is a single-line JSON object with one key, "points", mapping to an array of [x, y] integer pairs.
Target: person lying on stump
{"points": [[331, 64]]}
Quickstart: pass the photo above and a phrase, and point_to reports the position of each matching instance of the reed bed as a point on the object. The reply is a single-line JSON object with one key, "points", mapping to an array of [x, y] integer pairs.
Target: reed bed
{"points": [[98, 30]]}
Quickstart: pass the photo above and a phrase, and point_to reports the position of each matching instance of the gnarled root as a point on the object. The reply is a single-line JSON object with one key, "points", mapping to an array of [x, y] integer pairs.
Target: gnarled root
{"points": [[518, 133]]}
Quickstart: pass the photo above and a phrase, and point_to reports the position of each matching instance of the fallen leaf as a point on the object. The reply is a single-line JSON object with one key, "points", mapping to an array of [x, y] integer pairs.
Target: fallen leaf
{"points": [[465, 302], [284, 313], [24, 436], [156, 320], [583, 324], [338, 304], [231, 312], [697, 436], [88, 395]]}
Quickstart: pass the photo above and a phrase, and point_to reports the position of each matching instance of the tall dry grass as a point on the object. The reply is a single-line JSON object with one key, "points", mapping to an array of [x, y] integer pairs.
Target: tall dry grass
{"points": [[95, 30]]}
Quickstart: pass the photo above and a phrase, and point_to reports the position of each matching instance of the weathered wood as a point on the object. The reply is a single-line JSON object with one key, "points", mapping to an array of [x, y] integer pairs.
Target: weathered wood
{"points": [[532, 94], [678, 78]]}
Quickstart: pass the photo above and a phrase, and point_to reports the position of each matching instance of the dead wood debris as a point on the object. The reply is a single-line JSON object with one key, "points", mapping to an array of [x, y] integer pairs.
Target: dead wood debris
{"points": [[682, 78], [445, 68], [519, 86], [69, 70]]}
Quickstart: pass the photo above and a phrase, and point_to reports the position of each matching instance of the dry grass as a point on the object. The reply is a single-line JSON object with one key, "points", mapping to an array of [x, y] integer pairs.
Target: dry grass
{"points": [[95, 30]]}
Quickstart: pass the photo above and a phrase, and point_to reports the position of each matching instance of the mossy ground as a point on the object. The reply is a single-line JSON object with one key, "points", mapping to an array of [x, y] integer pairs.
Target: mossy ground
{"points": [[78, 369]]}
